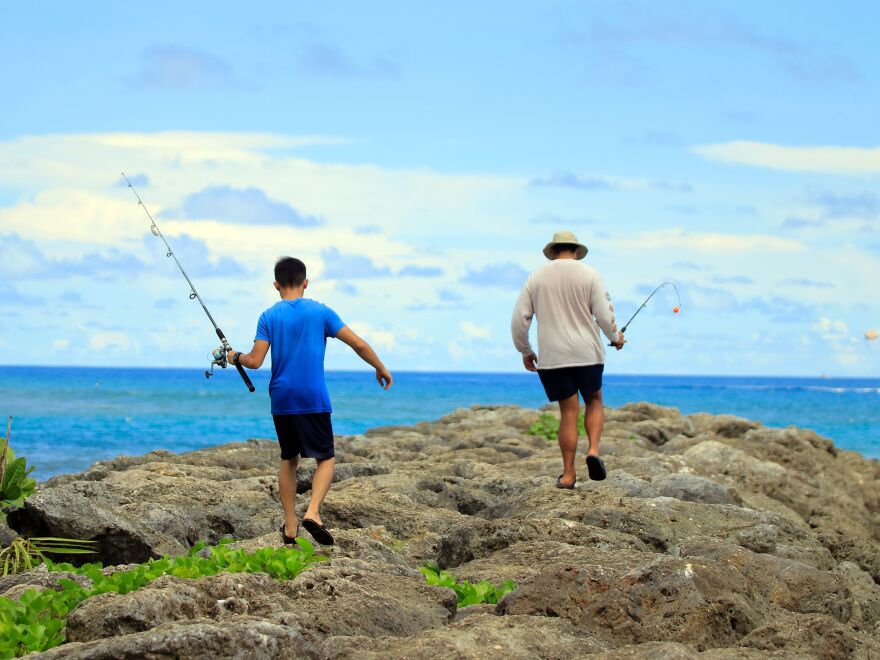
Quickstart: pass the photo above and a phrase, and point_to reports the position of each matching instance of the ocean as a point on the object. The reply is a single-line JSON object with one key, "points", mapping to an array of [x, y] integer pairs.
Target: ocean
{"points": [[65, 419]]}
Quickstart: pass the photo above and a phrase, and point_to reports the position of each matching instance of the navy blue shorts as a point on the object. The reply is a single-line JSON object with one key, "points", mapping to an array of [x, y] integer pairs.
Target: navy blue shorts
{"points": [[309, 435], [562, 383]]}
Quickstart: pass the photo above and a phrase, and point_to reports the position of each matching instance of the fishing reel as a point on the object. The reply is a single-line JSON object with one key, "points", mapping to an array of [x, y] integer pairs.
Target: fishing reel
{"points": [[218, 359]]}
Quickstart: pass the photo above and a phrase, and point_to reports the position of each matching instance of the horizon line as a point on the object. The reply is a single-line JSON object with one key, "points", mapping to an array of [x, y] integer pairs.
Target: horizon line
{"points": [[442, 371]]}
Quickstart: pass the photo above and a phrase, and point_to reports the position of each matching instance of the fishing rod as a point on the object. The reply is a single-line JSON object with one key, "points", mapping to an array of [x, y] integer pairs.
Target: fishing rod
{"points": [[218, 355], [675, 309]]}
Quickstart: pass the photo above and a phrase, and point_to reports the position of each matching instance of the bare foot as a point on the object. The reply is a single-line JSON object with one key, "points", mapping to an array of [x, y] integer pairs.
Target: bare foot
{"points": [[568, 480], [313, 516]]}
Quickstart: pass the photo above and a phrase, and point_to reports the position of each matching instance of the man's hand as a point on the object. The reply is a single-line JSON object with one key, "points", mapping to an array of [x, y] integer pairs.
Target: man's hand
{"points": [[620, 341], [530, 362], [384, 378], [230, 355]]}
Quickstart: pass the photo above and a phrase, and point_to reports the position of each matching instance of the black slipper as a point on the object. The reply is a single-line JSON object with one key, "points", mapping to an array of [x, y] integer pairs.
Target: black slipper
{"points": [[559, 483], [596, 468], [318, 531], [284, 537]]}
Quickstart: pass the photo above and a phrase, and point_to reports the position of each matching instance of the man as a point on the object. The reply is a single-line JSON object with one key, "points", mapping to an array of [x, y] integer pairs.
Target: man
{"points": [[571, 304], [296, 329]]}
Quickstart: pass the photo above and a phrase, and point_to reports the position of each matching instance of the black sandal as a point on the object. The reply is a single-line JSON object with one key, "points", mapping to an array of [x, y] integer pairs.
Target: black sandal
{"points": [[596, 468], [559, 483], [284, 537], [318, 531]]}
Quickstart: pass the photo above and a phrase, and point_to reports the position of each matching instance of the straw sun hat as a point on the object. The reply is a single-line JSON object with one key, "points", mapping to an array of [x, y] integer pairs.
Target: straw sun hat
{"points": [[565, 238]]}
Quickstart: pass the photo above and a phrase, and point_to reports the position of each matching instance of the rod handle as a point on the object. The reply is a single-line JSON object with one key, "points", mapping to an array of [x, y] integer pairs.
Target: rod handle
{"points": [[245, 378], [241, 371]]}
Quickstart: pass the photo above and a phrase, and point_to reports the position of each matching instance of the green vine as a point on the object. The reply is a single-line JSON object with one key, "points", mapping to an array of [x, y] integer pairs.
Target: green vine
{"points": [[467, 593], [35, 622]]}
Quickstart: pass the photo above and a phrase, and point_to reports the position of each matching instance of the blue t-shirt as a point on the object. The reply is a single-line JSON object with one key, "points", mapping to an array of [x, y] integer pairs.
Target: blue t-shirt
{"points": [[297, 331]]}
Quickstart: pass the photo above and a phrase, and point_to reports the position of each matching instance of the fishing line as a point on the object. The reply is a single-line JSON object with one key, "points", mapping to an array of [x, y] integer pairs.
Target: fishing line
{"points": [[219, 354], [675, 309]]}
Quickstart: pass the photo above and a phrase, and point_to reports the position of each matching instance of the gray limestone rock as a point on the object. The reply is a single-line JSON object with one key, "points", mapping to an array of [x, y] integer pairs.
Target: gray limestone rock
{"points": [[712, 536], [694, 488]]}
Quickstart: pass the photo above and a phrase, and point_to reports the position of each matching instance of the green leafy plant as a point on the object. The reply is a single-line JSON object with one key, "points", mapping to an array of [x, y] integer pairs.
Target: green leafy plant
{"points": [[547, 426], [466, 592], [16, 485], [35, 622], [15, 481], [25, 553]]}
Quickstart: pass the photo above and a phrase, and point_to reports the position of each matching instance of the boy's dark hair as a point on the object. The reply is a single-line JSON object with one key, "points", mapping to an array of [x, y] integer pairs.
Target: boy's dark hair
{"points": [[290, 272], [559, 248]]}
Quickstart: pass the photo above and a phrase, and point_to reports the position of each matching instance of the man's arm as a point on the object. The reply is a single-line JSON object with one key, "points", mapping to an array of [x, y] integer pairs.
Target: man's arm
{"points": [[603, 312], [367, 354], [254, 359], [520, 323]]}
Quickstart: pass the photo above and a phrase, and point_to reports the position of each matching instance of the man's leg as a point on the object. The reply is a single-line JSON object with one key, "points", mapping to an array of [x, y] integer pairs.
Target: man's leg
{"points": [[320, 485], [594, 421], [568, 437], [287, 489]]}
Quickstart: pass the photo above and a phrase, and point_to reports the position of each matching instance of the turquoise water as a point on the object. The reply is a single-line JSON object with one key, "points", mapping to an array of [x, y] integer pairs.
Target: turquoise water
{"points": [[68, 418]]}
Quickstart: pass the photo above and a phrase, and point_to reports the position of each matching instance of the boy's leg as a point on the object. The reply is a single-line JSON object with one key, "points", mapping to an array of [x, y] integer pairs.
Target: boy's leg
{"points": [[320, 485], [287, 490], [594, 421], [568, 437]]}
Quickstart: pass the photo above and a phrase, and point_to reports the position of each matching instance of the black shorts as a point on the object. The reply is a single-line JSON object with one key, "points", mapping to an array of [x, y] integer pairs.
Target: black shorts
{"points": [[309, 435], [562, 383]]}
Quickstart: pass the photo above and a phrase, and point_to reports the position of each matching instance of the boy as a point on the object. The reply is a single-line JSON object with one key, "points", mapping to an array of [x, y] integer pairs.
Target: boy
{"points": [[297, 328]]}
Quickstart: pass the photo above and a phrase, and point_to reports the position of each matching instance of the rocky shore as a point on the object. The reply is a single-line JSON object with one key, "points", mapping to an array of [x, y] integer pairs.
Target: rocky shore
{"points": [[713, 537]]}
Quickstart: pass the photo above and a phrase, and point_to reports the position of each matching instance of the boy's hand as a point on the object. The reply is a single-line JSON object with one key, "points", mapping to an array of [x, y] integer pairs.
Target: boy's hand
{"points": [[384, 378], [530, 362]]}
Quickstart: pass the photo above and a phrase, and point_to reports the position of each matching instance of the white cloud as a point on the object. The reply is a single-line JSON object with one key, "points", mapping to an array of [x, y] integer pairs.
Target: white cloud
{"points": [[842, 343], [61, 344], [70, 206], [378, 338], [831, 160], [110, 341], [473, 331], [832, 330], [680, 239]]}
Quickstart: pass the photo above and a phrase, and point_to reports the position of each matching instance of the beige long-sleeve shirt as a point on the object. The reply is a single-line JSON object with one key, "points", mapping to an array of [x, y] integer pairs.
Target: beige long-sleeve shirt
{"points": [[571, 303]]}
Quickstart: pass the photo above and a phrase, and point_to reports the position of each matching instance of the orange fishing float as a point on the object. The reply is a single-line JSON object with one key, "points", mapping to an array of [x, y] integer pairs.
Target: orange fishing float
{"points": [[675, 309]]}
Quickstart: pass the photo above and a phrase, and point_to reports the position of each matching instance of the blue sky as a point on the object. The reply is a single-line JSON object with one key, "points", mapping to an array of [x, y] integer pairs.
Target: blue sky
{"points": [[418, 157]]}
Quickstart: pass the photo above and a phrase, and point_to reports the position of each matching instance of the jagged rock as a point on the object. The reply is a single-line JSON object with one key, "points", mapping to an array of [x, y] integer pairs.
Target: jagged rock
{"points": [[712, 535], [702, 604], [650, 651], [726, 426], [693, 488], [811, 635], [244, 638], [140, 513], [650, 410], [13, 586], [353, 597], [789, 584], [659, 432], [713, 459], [7, 535], [477, 636]]}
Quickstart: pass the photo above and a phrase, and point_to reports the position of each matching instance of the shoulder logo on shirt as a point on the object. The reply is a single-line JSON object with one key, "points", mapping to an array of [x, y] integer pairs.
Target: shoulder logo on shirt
{"points": [[607, 296]]}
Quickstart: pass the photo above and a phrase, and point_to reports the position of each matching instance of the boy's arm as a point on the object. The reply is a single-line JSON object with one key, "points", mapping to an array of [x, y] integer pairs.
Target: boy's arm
{"points": [[366, 354], [254, 359]]}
